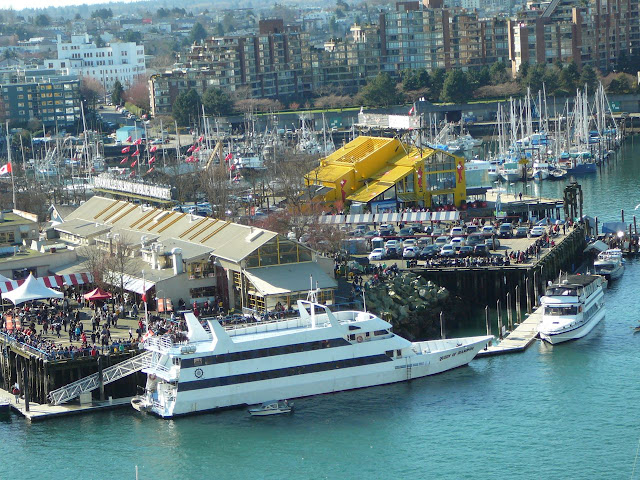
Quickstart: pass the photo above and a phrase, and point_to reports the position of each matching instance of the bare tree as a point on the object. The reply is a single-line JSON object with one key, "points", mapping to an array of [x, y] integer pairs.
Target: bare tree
{"points": [[217, 188], [119, 261], [95, 262]]}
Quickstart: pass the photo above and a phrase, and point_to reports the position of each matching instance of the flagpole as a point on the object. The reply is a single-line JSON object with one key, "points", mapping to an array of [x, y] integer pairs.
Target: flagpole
{"points": [[144, 300], [13, 185]]}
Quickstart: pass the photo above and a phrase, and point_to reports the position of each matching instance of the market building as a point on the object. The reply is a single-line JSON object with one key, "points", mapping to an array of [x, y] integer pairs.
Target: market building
{"points": [[193, 258], [386, 175]]}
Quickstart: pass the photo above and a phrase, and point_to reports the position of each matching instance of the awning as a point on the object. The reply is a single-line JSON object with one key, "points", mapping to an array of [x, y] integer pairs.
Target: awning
{"points": [[288, 278], [369, 192], [598, 246], [416, 216], [360, 218], [450, 216], [388, 217], [331, 219], [133, 284], [52, 281]]}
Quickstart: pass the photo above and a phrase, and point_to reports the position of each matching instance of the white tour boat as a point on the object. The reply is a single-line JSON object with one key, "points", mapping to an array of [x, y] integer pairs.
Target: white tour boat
{"points": [[572, 308], [609, 264], [318, 352], [274, 407]]}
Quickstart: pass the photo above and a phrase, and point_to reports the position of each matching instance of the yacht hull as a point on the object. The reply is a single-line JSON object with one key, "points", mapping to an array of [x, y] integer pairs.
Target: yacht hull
{"points": [[573, 334]]}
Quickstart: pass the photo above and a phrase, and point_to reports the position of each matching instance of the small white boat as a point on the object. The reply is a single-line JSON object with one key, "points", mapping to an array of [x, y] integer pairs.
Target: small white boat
{"points": [[141, 404], [5, 406], [609, 264], [275, 407]]}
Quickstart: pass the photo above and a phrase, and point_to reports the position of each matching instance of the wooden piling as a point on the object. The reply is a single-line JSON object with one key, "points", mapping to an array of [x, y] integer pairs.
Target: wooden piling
{"points": [[518, 309], [499, 319], [526, 283], [442, 335], [509, 316], [486, 319]]}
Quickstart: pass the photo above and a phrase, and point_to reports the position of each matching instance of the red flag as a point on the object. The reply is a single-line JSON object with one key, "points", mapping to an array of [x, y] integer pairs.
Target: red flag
{"points": [[5, 169], [190, 149], [124, 160], [134, 163], [197, 149], [125, 150], [136, 153], [128, 139], [153, 149], [132, 174], [200, 139], [413, 109], [151, 160], [138, 141], [228, 157], [151, 169]]}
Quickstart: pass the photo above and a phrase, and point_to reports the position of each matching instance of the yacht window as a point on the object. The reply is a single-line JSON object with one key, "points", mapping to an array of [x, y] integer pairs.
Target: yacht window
{"points": [[557, 311], [399, 353], [354, 327], [197, 361], [352, 336], [367, 334], [175, 361], [389, 353], [380, 332]]}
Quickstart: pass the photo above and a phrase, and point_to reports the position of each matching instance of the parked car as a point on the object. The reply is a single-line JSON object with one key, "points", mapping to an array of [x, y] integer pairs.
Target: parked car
{"points": [[456, 231], [537, 231], [376, 254], [481, 250], [409, 252], [406, 231], [465, 251], [428, 251], [488, 230], [440, 241], [474, 239], [370, 234], [386, 230], [471, 228], [521, 232], [505, 230], [393, 248], [424, 241], [448, 250], [458, 241], [409, 242], [492, 243]]}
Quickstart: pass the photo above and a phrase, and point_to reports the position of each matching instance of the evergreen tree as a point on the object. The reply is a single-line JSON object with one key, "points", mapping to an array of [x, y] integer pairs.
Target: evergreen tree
{"points": [[380, 91], [589, 78], [569, 77], [186, 107], [198, 33], [437, 81], [456, 87], [216, 102], [116, 93]]}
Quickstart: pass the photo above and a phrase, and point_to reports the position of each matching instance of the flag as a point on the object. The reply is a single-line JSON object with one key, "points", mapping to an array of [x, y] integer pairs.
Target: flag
{"points": [[190, 149], [153, 149], [136, 153], [5, 169], [132, 174], [128, 139], [200, 139], [151, 160], [144, 290], [228, 157], [197, 149], [125, 150], [138, 141], [151, 169], [134, 163], [413, 110], [124, 160]]}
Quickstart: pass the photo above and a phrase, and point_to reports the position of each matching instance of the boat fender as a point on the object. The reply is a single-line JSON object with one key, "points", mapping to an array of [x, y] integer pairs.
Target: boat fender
{"points": [[359, 338]]}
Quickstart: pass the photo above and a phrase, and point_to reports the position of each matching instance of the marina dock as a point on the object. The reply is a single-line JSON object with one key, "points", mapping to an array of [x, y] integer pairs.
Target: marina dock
{"points": [[519, 339], [39, 412]]}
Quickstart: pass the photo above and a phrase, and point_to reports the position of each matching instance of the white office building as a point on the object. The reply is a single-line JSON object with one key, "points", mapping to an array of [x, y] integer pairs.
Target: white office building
{"points": [[116, 61]]}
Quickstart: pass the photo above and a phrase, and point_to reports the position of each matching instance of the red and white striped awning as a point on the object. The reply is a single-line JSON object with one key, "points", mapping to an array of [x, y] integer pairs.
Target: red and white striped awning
{"points": [[52, 281]]}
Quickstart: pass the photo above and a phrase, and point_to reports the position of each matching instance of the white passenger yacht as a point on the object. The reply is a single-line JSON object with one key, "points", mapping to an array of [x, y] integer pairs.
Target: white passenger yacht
{"points": [[572, 308], [609, 264], [318, 352]]}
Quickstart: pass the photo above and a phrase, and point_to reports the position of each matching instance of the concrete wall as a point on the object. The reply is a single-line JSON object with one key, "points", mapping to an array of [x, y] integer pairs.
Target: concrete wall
{"points": [[42, 264]]}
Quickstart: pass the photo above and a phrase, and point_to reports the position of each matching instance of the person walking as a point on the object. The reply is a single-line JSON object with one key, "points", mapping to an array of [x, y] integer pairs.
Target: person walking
{"points": [[16, 392]]}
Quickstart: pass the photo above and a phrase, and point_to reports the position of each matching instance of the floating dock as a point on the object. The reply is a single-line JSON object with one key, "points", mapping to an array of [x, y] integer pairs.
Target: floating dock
{"points": [[38, 412], [519, 339]]}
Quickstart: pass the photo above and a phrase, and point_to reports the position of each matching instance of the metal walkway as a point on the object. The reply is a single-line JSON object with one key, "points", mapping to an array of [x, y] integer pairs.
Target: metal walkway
{"points": [[109, 375]]}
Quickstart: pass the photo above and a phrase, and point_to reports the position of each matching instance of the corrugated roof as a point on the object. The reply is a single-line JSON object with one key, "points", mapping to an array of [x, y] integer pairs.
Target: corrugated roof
{"points": [[369, 192], [289, 278], [233, 242], [82, 227]]}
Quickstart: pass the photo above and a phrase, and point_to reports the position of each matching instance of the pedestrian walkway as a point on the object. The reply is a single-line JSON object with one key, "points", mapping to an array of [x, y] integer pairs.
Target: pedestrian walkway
{"points": [[518, 340]]}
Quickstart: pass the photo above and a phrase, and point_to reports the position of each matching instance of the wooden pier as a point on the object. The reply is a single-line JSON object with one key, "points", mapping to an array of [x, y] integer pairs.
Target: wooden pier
{"points": [[38, 412], [518, 340]]}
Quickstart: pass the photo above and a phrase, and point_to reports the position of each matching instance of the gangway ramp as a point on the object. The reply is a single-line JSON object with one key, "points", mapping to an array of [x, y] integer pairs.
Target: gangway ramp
{"points": [[109, 375]]}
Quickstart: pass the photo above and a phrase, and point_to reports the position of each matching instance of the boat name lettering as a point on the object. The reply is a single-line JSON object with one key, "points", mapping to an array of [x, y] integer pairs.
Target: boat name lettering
{"points": [[464, 350]]}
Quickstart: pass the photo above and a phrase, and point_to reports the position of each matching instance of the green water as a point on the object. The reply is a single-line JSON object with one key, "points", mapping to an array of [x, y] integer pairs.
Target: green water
{"points": [[569, 411]]}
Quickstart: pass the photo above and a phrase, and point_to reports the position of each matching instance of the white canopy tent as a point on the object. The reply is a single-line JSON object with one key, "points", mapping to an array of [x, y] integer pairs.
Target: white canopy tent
{"points": [[31, 289]]}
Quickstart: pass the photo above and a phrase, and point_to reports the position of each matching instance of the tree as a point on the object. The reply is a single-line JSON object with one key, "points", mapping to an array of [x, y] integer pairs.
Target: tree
{"points": [[186, 107], [198, 33], [117, 93], [535, 78], [217, 188], [138, 94], [456, 87], [91, 90], [498, 73], [589, 78], [569, 77], [42, 20], [100, 43], [216, 102], [437, 81], [131, 36], [380, 91], [219, 30], [620, 84], [103, 13]]}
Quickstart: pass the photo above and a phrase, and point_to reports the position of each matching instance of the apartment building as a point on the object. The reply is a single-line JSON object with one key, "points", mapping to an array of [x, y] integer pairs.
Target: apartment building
{"points": [[116, 61]]}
